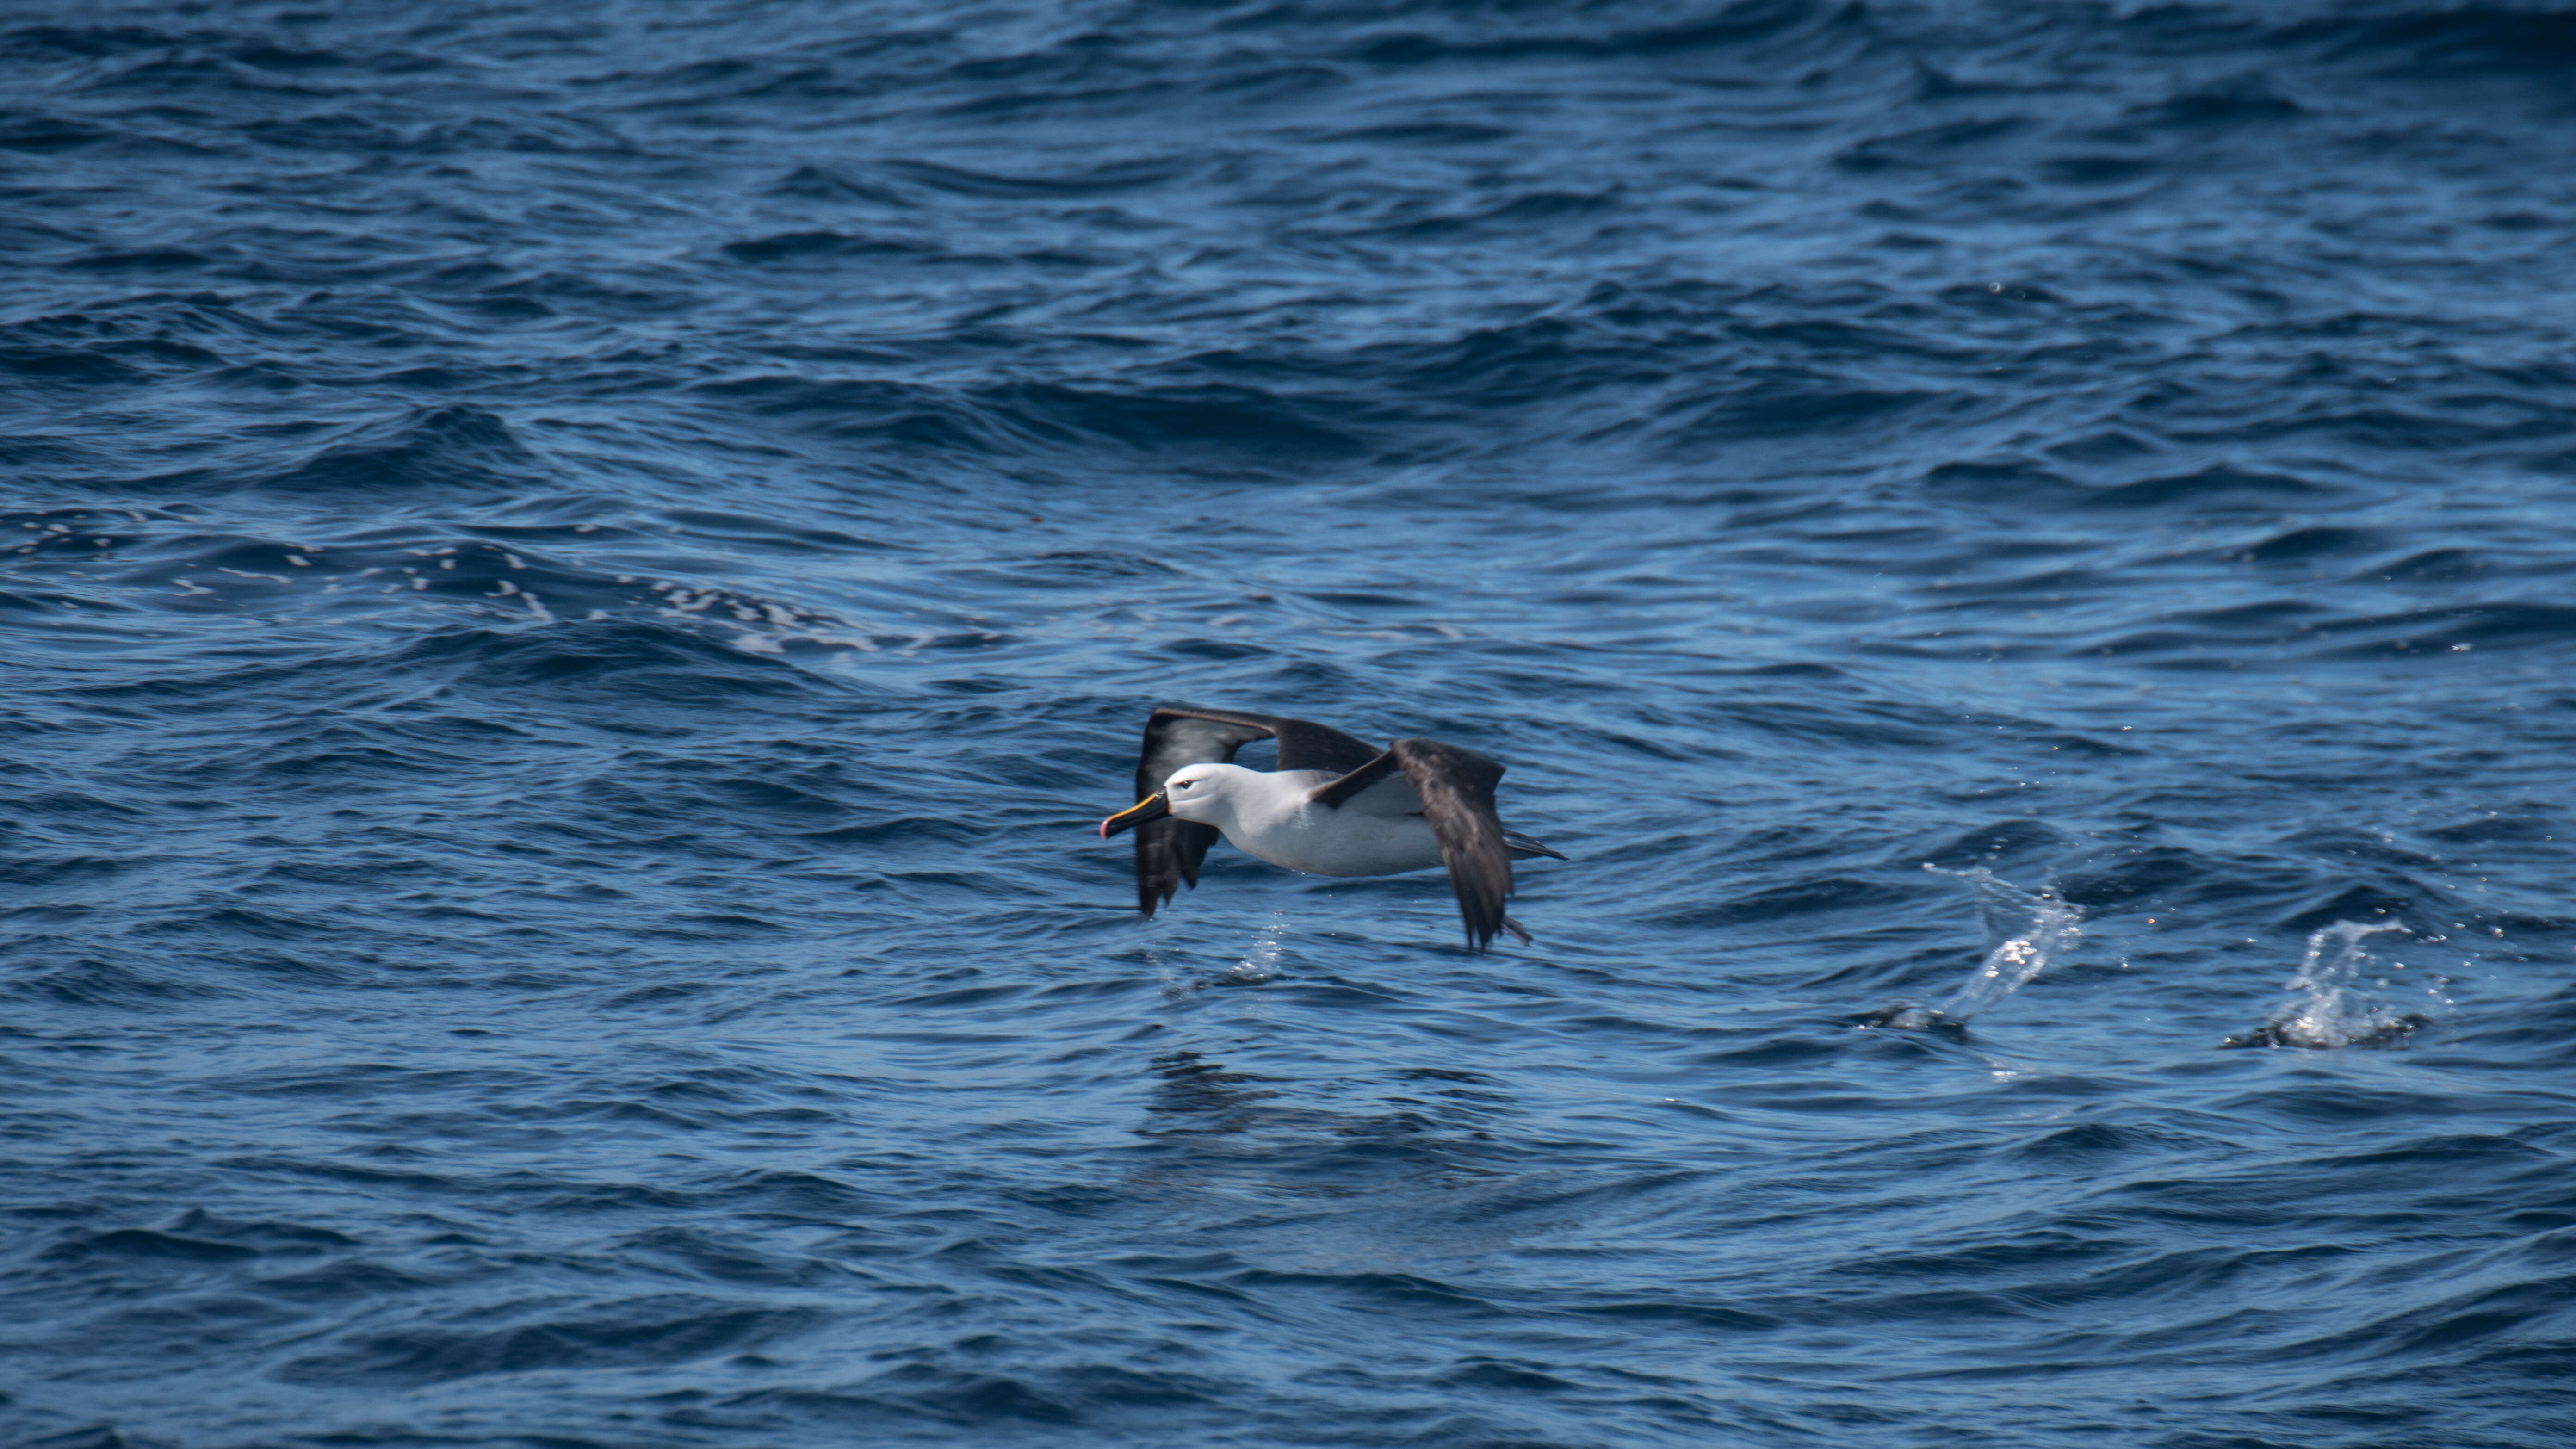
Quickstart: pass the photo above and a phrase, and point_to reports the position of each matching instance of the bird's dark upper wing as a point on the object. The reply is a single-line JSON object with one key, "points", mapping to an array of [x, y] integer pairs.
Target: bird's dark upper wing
{"points": [[1303, 744], [1336, 793], [1168, 851], [1457, 790]]}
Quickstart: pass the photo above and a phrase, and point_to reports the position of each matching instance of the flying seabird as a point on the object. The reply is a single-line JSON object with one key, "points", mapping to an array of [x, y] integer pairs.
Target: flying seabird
{"points": [[1335, 806]]}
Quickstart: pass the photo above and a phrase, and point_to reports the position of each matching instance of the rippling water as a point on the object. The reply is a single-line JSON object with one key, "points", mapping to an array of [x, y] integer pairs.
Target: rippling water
{"points": [[579, 576]]}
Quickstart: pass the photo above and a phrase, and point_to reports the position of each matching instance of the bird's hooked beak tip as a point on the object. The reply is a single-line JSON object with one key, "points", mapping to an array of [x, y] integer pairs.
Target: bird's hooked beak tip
{"points": [[1152, 807]]}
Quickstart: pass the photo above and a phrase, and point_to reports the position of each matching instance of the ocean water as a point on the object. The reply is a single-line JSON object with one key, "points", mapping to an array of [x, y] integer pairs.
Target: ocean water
{"points": [[578, 577]]}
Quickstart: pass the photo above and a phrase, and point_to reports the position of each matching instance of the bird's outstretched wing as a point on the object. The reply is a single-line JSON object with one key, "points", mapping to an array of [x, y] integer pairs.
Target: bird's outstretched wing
{"points": [[1457, 790], [1169, 851]]}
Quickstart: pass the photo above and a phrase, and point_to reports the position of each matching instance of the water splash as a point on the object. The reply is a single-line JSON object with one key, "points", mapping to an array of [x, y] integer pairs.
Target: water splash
{"points": [[2331, 1009], [1261, 963], [2029, 929]]}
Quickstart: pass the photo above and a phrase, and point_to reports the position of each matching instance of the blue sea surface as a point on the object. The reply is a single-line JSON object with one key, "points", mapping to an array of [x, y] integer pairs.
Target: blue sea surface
{"points": [[577, 579]]}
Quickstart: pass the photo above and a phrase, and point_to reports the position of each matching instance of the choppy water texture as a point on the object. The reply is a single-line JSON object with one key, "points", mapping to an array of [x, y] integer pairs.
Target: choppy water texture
{"points": [[578, 577]]}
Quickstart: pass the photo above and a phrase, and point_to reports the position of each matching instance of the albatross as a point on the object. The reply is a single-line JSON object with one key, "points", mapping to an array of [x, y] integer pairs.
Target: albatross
{"points": [[1335, 806]]}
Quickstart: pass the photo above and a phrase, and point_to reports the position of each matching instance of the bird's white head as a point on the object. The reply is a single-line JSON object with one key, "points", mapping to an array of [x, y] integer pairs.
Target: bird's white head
{"points": [[1206, 793]]}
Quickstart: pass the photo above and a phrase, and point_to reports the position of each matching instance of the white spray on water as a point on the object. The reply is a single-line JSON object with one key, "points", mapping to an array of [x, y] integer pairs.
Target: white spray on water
{"points": [[2029, 931], [2332, 1010], [1261, 963]]}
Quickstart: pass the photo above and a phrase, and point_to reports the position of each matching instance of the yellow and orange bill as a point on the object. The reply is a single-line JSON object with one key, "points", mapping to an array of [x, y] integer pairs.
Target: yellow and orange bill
{"points": [[1152, 807]]}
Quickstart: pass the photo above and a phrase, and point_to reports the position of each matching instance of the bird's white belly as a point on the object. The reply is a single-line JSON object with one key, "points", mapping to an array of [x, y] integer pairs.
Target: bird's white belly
{"points": [[1322, 841]]}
